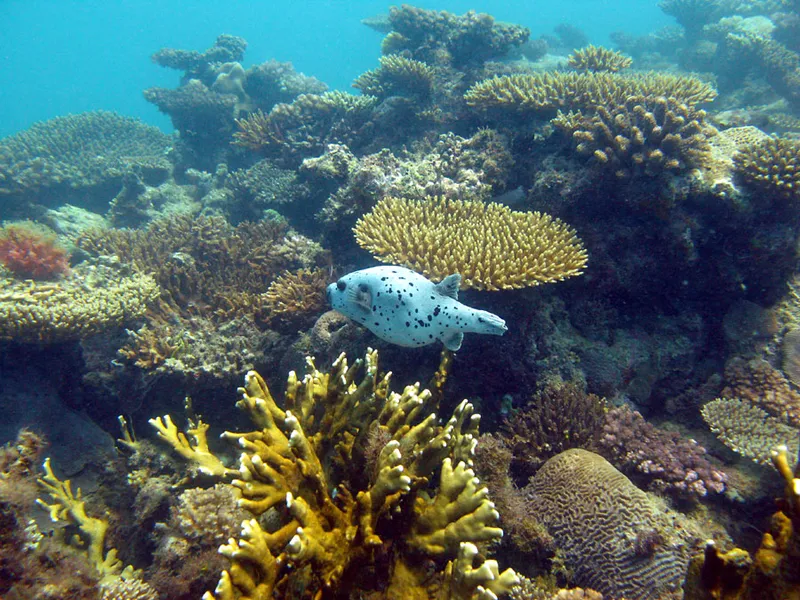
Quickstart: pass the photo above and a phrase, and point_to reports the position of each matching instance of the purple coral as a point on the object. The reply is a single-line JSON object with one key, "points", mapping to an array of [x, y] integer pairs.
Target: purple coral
{"points": [[663, 459]]}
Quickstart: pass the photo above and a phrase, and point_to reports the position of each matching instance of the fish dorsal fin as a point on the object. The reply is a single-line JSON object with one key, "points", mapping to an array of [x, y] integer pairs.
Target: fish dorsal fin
{"points": [[452, 341], [449, 286]]}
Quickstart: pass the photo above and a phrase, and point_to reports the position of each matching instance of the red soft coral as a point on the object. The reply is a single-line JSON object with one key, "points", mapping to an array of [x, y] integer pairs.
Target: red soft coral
{"points": [[29, 250]]}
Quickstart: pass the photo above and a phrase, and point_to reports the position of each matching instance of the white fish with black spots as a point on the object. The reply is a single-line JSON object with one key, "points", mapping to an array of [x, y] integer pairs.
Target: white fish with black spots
{"points": [[405, 308]]}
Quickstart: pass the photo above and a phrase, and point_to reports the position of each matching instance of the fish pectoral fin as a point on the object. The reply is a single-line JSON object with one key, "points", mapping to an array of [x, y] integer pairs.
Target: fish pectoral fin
{"points": [[452, 341], [363, 300], [449, 286]]}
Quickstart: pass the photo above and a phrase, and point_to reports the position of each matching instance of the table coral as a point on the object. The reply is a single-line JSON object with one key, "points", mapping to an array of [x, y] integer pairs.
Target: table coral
{"points": [[79, 152], [491, 246], [575, 91], [749, 430], [93, 299], [304, 464], [758, 383]]}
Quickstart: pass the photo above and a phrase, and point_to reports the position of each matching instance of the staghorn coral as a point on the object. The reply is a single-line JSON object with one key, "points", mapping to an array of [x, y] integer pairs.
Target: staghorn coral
{"points": [[771, 167], [757, 382], [316, 539], [31, 250], [643, 136], [79, 152], [397, 76], [93, 299], [595, 514], [579, 91], [303, 128], [296, 298], [440, 37], [491, 246], [557, 418], [597, 58], [662, 459], [749, 430]]}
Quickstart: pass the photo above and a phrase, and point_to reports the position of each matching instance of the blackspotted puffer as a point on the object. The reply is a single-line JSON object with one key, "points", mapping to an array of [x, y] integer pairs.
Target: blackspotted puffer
{"points": [[405, 308]]}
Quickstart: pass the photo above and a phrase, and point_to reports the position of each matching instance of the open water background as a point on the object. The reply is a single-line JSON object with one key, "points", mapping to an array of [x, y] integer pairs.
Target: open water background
{"points": [[61, 57]]}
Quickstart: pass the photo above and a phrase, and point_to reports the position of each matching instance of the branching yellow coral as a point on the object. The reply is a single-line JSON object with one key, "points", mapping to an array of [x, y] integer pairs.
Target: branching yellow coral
{"points": [[771, 167], [490, 245], [576, 91], [87, 302], [597, 58], [330, 519], [70, 507], [195, 451]]}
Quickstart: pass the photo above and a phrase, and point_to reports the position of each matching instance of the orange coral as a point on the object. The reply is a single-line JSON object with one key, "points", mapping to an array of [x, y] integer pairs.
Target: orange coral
{"points": [[31, 250]]}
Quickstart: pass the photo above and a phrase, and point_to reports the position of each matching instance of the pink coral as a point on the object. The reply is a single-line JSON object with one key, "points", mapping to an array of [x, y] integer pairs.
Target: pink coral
{"points": [[663, 459], [29, 250]]}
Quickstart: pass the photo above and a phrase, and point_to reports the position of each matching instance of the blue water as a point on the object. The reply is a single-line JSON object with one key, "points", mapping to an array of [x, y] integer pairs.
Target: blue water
{"points": [[64, 57]]}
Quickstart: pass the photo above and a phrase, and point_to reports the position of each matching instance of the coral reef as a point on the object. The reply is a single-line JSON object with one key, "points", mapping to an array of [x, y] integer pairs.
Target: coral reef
{"points": [[316, 443], [226, 48], [771, 168], [295, 299], [575, 91], [32, 251], [662, 459], [595, 515], [491, 246], [597, 58], [749, 430], [755, 381], [645, 135], [93, 299]]}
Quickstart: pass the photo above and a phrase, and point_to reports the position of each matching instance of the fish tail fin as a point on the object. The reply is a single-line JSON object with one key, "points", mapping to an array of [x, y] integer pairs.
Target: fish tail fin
{"points": [[488, 323]]}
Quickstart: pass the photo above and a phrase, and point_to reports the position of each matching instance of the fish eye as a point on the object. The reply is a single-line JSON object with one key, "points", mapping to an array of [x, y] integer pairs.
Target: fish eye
{"points": [[363, 287], [340, 285]]}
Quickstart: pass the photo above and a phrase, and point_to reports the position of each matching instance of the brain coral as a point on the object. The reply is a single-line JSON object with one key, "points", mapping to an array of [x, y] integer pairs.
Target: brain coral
{"points": [[490, 245], [600, 521]]}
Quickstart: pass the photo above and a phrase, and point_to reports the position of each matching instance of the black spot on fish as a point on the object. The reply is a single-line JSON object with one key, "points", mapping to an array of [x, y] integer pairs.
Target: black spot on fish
{"points": [[430, 317], [408, 324], [436, 312]]}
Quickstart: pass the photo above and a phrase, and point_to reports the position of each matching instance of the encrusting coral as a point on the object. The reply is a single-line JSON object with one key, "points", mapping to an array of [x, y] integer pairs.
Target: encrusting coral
{"points": [[597, 58], [304, 465], [644, 135], [490, 245], [771, 167]]}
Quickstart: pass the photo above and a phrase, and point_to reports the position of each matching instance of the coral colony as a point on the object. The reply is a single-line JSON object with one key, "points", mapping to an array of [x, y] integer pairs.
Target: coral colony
{"points": [[626, 219]]}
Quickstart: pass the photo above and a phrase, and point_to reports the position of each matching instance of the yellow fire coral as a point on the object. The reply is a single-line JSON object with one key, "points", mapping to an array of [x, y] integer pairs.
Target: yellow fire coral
{"points": [[87, 302], [597, 58], [331, 517], [490, 245], [575, 91]]}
